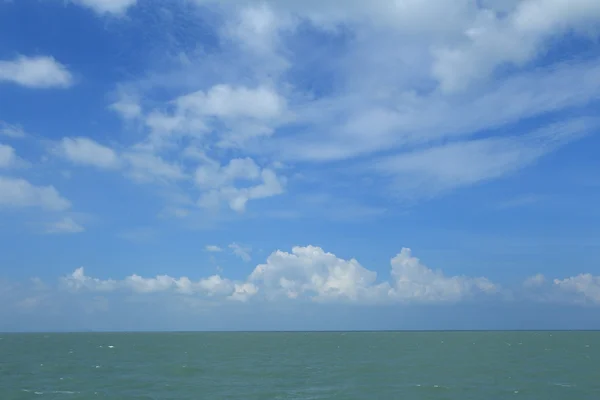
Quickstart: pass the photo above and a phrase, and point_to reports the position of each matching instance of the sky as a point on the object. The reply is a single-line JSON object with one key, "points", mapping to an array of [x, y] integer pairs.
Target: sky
{"points": [[299, 164]]}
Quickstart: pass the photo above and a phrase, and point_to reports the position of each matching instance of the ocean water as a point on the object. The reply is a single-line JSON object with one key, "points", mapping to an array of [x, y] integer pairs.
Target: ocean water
{"points": [[334, 365]]}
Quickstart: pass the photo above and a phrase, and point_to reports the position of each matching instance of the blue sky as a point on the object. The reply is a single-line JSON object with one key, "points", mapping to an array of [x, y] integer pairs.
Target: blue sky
{"points": [[299, 165]]}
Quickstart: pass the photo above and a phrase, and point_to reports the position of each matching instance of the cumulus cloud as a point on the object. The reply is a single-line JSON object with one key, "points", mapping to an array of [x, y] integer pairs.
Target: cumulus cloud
{"points": [[211, 286], [323, 276], [85, 151], [308, 273], [413, 280], [587, 286], [16, 193], [102, 7], [35, 72]]}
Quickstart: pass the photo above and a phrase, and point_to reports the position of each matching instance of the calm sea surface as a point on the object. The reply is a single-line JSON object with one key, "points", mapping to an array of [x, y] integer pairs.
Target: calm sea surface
{"points": [[353, 365]]}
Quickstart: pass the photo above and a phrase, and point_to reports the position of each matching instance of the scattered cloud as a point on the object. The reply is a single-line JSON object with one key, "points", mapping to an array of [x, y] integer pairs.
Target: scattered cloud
{"points": [[38, 72], [242, 114], [242, 252], [212, 248], [218, 183], [102, 7], [65, 225], [516, 39], [84, 151], [17, 193], [127, 107], [147, 167], [438, 169], [12, 131]]}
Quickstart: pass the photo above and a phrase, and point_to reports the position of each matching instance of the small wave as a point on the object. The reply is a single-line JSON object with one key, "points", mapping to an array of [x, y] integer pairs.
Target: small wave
{"points": [[562, 384], [39, 393]]}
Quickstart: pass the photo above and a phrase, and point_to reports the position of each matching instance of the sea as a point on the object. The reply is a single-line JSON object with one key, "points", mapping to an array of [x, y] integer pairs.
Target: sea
{"points": [[301, 365]]}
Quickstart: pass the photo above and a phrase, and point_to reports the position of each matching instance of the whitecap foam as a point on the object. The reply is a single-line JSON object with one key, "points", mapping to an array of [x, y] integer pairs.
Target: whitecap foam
{"points": [[562, 384]]}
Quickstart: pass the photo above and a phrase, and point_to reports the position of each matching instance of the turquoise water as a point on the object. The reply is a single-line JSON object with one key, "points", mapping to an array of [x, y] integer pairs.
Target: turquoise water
{"points": [[352, 365]]}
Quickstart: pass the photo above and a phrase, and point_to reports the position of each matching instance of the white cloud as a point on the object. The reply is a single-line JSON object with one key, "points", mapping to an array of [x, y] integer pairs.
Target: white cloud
{"points": [[225, 101], [492, 39], [85, 151], [245, 112], [584, 285], [414, 281], [404, 78], [211, 286], [307, 273], [430, 171], [8, 156], [212, 248], [127, 107], [535, 281], [147, 167], [345, 127], [65, 225], [219, 183], [78, 281], [242, 252], [312, 272], [12, 131], [15, 192], [323, 276], [35, 72], [115, 7]]}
